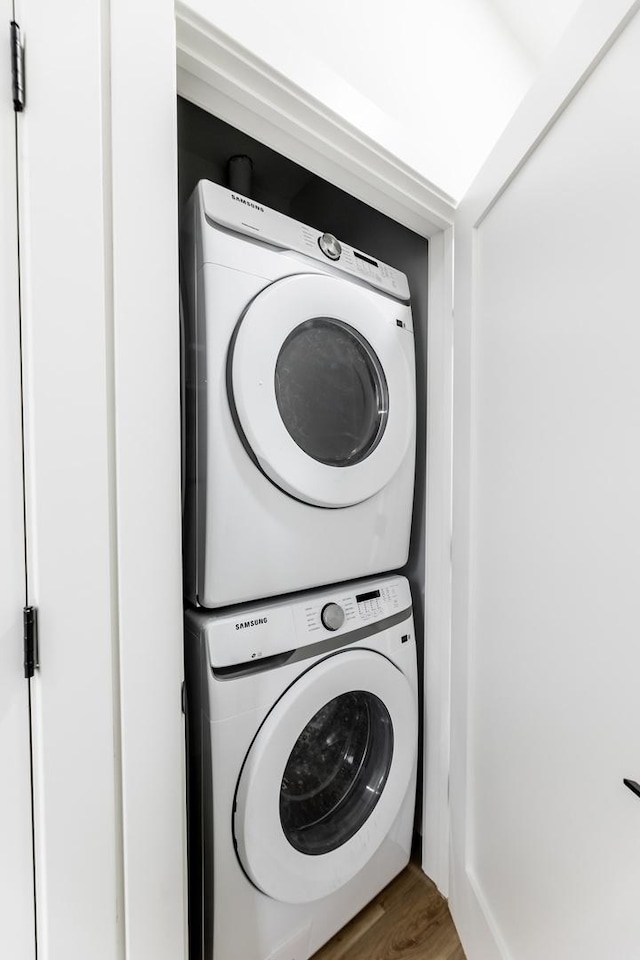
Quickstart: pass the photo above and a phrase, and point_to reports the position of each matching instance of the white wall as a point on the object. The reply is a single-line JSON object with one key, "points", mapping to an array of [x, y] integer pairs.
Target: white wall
{"points": [[536, 25], [553, 841], [435, 83]]}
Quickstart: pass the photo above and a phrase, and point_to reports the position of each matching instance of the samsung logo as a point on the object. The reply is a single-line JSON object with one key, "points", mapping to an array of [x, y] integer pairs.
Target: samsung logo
{"points": [[247, 203], [251, 623]]}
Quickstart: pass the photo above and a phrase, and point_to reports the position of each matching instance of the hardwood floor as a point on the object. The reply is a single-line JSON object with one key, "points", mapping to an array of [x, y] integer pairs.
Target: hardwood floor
{"points": [[409, 920]]}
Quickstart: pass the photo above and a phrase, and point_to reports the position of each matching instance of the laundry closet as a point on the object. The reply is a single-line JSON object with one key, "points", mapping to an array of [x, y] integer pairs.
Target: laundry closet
{"points": [[301, 474], [526, 580]]}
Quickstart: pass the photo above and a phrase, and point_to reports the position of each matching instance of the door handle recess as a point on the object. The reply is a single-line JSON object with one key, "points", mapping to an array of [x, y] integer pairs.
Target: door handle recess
{"points": [[633, 786]]}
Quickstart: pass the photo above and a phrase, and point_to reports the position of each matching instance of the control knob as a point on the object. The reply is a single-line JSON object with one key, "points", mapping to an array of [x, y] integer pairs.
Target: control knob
{"points": [[330, 246], [332, 616]]}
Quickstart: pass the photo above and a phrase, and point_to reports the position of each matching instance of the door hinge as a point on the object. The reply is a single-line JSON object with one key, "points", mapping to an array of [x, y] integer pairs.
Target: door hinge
{"points": [[17, 68], [30, 620]]}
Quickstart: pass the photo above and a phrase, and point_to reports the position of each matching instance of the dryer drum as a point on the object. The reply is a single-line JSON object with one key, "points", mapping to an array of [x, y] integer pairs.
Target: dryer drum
{"points": [[331, 392]]}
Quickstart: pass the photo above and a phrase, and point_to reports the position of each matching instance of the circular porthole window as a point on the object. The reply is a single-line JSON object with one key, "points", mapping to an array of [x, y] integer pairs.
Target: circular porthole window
{"points": [[336, 772], [331, 392], [321, 384], [326, 776]]}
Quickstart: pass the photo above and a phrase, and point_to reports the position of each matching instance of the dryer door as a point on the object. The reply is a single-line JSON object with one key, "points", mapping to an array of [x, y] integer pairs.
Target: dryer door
{"points": [[326, 776], [321, 380]]}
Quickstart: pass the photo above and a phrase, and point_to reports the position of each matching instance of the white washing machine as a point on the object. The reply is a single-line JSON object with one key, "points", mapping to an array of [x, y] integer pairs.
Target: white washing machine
{"points": [[300, 397], [302, 730]]}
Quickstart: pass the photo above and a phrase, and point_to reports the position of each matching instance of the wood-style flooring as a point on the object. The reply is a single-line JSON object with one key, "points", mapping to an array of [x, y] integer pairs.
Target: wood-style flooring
{"points": [[409, 920]]}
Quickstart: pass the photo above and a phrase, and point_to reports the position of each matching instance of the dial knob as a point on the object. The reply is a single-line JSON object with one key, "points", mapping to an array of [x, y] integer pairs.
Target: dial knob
{"points": [[330, 246], [332, 616]]}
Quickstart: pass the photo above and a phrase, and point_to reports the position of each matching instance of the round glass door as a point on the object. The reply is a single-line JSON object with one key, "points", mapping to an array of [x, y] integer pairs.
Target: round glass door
{"points": [[336, 772], [326, 776], [331, 392], [321, 383]]}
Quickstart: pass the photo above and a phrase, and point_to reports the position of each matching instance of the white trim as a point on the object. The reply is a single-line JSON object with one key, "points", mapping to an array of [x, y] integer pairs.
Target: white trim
{"points": [[591, 34], [147, 469], [409, 204], [437, 655]]}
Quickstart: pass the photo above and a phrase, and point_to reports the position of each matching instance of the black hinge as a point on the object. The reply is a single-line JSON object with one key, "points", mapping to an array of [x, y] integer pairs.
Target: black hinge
{"points": [[30, 619], [17, 68]]}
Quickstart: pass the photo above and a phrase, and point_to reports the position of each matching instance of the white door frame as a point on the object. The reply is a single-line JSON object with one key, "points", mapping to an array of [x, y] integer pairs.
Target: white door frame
{"points": [[17, 907], [217, 74], [590, 35]]}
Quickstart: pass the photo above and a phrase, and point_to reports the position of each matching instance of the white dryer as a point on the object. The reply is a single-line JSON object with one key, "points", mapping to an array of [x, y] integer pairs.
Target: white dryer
{"points": [[302, 731], [300, 387]]}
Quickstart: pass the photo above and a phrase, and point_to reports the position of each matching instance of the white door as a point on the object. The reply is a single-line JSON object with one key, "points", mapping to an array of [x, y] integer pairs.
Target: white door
{"points": [[322, 382], [546, 645], [303, 828], [17, 925]]}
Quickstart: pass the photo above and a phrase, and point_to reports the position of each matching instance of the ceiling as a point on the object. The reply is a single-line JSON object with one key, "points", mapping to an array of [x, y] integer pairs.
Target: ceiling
{"points": [[538, 26], [433, 81]]}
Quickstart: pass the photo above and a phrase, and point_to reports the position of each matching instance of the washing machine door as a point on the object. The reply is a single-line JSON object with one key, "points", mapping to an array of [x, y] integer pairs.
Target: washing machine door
{"points": [[321, 381], [326, 776]]}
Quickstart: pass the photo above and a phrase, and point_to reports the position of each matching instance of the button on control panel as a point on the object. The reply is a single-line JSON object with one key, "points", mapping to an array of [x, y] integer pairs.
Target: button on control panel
{"points": [[332, 616], [330, 246], [349, 611]]}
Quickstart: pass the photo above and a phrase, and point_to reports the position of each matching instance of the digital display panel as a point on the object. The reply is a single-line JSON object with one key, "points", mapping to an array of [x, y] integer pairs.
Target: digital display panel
{"points": [[361, 256], [368, 596]]}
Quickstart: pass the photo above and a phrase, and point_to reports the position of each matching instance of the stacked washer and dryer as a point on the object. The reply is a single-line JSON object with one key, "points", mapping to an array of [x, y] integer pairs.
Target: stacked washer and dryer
{"points": [[301, 687]]}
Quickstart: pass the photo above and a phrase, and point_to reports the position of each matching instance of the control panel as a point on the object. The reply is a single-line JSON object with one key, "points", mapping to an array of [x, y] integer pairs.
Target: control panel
{"points": [[352, 610], [245, 216], [255, 631]]}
